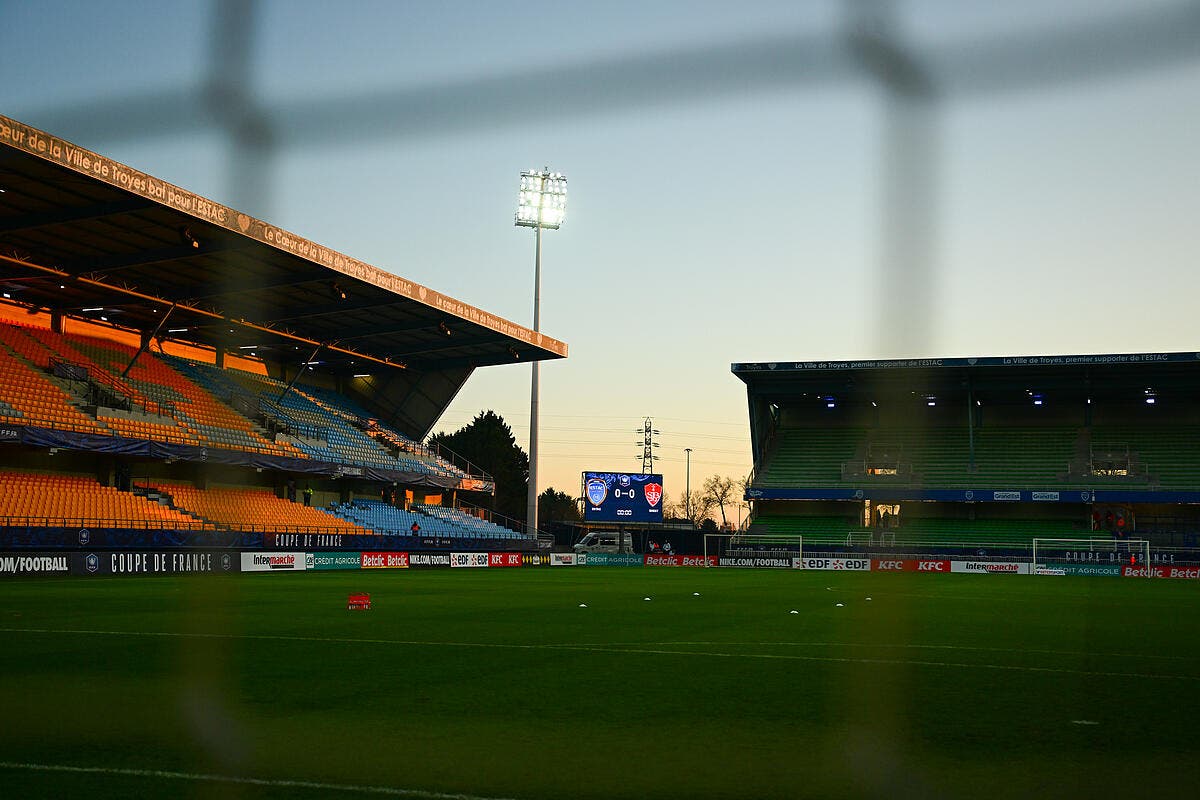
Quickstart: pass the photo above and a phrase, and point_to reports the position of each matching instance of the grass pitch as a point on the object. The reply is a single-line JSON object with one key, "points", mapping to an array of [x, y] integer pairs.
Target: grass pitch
{"points": [[494, 683]]}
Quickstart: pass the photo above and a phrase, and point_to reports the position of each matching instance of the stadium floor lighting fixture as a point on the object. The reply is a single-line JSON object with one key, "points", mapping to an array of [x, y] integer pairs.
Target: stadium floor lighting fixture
{"points": [[542, 203]]}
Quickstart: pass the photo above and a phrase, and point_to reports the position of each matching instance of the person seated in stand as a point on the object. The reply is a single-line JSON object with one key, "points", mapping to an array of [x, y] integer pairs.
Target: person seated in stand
{"points": [[415, 530]]}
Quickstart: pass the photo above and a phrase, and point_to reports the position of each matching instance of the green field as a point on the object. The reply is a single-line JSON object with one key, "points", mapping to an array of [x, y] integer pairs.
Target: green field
{"points": [[493, 683]]}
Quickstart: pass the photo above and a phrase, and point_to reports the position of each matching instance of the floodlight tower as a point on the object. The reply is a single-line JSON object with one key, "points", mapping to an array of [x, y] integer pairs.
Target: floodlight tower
{"points": [[542, 204]]}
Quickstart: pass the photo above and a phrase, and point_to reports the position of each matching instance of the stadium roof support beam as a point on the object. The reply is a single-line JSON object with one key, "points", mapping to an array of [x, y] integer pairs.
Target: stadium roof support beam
{"points": [[146, 342], [205, 291], [110, 264], [364, 332], [61, 216], [442, 346], [341, 307], [300, 371], [209, 315]]}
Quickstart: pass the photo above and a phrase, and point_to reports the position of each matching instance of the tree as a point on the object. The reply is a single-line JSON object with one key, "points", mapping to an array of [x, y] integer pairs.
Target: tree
{"points": [[694, 513], [743, 487], [488, 443], [718, 491], [556, 506]]}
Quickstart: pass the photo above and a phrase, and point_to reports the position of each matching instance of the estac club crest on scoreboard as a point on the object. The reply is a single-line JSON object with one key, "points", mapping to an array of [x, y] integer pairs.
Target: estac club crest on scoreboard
{"points": [[597, 491], [622, 497]]}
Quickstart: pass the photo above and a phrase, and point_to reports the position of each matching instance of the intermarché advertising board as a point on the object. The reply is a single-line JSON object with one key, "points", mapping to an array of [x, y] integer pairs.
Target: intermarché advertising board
{"points": [[990, 567], [274, 562]]}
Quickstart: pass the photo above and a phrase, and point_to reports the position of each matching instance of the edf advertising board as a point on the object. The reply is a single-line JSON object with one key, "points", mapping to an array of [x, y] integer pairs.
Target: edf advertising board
{"points": [[622, 497]]}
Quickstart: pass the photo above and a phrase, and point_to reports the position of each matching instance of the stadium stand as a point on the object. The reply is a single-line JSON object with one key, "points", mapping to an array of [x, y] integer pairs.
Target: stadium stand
{"points": [[31, 398], [242, 508], [389, 520], [433, 520], [94, 379], [322, 425], [29, 498], [472, 525], [197, 411], [975, 451], [812, 455]]}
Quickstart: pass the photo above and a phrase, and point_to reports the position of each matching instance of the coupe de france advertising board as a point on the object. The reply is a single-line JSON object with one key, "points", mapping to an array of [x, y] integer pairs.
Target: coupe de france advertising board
{"points": [[622, 497]]}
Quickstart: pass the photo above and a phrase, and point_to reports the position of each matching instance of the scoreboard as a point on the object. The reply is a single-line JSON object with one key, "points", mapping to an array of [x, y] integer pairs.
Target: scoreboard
{"points": [[622, 497]]}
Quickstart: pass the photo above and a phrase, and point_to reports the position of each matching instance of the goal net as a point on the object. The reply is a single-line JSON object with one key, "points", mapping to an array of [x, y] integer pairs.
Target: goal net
{"points": [[744, 549], [1096, 550]]}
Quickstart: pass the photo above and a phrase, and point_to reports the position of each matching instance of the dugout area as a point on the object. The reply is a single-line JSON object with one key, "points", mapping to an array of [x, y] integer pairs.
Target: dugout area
{"points": [[976, 452]]}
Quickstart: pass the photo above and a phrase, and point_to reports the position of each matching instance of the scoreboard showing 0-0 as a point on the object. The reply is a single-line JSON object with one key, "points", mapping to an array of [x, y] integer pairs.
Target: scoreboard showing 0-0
{"points": [[622, 497]]}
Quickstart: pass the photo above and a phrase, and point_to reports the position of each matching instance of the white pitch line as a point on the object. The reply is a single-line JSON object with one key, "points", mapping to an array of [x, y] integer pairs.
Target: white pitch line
{"points": [[928, 647], [317, 786], [603, 649]]}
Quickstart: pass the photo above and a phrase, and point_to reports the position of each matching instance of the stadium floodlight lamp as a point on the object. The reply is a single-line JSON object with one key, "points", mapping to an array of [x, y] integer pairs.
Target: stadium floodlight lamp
{"points": [[542, 202]]}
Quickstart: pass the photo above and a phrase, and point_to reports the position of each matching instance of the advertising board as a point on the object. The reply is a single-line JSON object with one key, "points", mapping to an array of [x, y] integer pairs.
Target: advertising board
{"points": [[681, 561], [273, 562], [910, 565], [756, 562], [119, 562], [1076, 568], [563, 560], [323, 561], [468, 559], [504, 559], [166, 562], [384, 560], [428, 560], [40, 564], [1185, 573], [622, 497], [850, 564], [609, 559], [990, 567]]}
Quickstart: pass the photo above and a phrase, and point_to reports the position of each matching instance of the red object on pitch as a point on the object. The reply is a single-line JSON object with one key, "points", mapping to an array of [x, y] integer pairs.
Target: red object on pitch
{"points": [[359, 601]]}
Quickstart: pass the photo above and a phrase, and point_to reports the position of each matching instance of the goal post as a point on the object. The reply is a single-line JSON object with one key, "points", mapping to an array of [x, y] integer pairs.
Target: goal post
{"points": [[746, 545], [1094, 550]]}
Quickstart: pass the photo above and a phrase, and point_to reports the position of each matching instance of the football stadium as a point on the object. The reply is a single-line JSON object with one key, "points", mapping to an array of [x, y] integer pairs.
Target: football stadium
{"points": [[234, 564]]}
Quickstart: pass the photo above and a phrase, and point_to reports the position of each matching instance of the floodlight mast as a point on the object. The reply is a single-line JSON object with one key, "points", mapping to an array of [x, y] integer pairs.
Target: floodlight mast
{"points": [[542, 203]]}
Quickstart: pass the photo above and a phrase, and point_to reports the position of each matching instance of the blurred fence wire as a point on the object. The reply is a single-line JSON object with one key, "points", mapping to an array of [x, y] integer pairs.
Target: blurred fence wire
{"points": [[915, 85]]}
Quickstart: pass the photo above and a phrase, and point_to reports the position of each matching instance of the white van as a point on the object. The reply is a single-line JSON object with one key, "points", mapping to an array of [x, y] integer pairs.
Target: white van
{"points": [[606, 542]]}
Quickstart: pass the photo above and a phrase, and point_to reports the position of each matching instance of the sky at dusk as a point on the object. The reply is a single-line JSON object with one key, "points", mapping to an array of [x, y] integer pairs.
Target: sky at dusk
{"points": [[741, 216]]}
